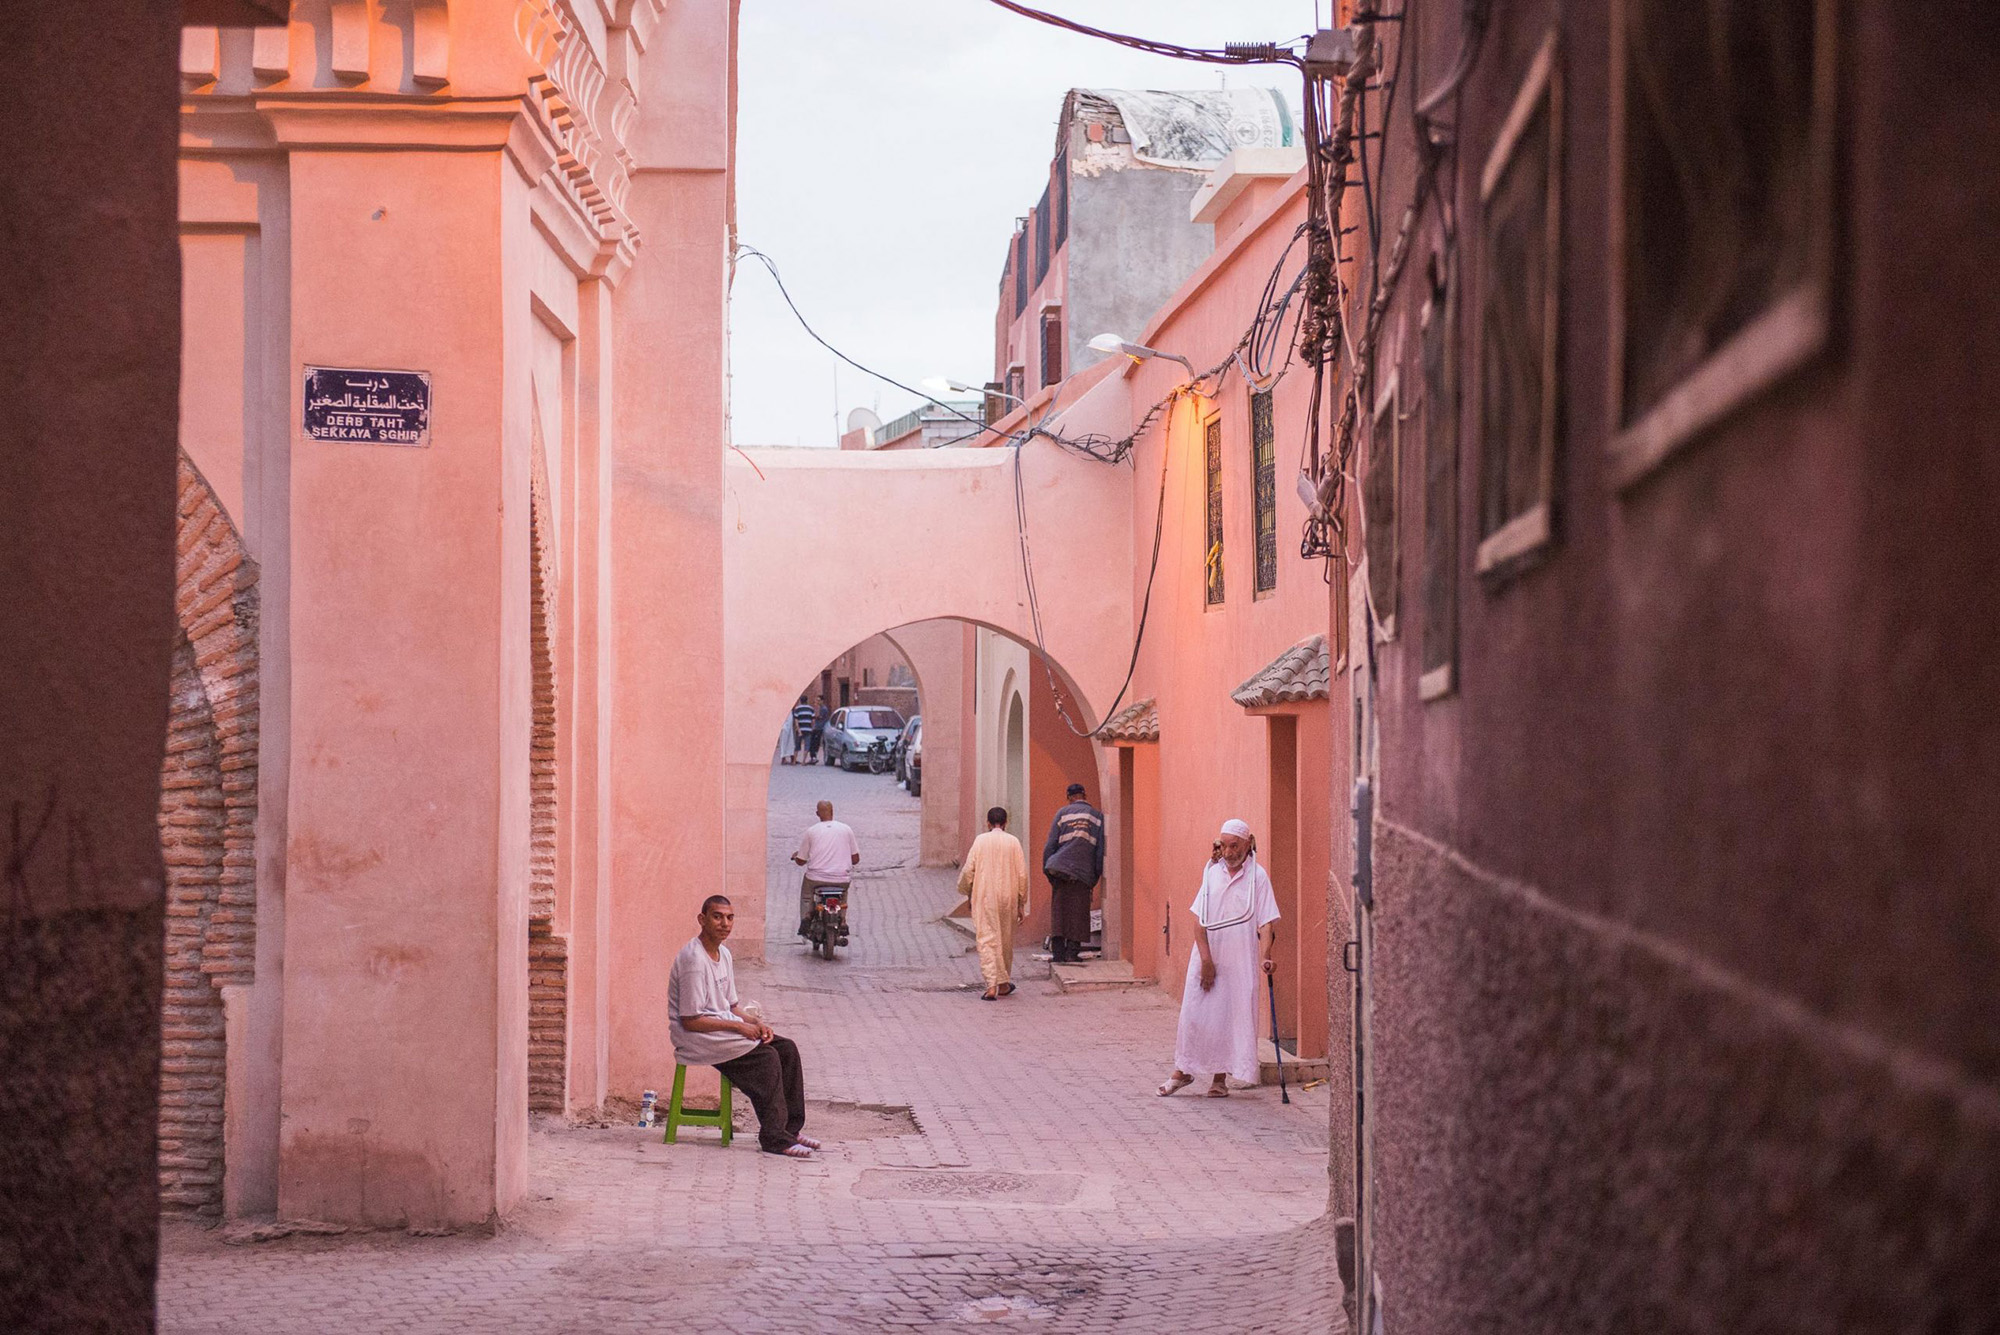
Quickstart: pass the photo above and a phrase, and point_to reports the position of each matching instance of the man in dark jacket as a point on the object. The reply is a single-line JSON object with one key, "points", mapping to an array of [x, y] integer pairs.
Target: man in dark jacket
{"points": [[1073, 860]]}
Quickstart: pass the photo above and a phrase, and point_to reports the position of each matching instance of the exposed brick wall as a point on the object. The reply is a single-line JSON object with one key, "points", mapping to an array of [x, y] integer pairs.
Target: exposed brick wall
{"points": [[541, 742], [548, 1016], [208, 813], [548, 954]]}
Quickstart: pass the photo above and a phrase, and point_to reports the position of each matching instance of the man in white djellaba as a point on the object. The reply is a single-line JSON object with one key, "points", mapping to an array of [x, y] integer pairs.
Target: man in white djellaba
{"points": [[1235, 915]]}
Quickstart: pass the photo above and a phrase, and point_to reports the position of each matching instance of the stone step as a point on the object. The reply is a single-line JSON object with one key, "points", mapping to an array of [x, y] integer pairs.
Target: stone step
{"points": [[1097, 976], [1298, 1070]]}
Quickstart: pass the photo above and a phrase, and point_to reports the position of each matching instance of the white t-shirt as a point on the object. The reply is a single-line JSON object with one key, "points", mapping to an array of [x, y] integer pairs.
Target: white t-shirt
{"points": [[829, 850], [699, 985]]}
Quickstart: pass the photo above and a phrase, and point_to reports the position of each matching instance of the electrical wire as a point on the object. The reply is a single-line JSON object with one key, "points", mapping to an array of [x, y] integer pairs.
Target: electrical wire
{"points": [[1233, 53]]}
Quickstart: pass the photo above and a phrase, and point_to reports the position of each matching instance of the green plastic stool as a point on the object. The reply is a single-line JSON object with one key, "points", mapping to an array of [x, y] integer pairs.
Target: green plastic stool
{"points": [[678, 1117]]}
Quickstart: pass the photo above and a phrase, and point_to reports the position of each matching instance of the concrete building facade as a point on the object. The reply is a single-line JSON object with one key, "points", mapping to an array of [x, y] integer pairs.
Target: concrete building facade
{"points": [[1111, 237]]}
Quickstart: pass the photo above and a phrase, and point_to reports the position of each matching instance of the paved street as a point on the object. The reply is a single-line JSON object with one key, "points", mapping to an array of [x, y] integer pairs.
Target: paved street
{"points": [[985, 1162]]}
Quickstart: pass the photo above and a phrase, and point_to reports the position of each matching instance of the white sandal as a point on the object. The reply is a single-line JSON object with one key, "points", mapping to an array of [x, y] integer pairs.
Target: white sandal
{"points": [[1173, 1084]]}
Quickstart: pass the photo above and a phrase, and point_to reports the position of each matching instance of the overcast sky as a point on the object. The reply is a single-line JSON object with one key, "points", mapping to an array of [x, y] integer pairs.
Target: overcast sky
{"points": [[884, 149]]}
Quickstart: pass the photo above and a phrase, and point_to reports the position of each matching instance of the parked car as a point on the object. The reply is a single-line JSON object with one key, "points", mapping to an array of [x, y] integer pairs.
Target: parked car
{"points": [[854, 731], [910, 730], [913, 762]]}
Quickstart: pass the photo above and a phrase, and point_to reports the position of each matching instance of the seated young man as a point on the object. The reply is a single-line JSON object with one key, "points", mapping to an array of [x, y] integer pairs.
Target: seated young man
{"points": [[709, 1029]]}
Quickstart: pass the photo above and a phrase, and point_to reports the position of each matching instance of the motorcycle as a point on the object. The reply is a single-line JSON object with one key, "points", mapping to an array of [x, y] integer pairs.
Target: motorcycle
{"points": [[827, 927], [881, 756]]}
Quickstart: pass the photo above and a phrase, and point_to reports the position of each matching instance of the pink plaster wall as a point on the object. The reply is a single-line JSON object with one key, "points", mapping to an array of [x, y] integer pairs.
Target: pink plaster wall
{"points": [[405, 1043]]}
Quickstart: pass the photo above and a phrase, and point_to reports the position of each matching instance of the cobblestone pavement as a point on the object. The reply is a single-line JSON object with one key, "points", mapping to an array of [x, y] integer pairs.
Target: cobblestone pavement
{"points": [[986, 1162]]}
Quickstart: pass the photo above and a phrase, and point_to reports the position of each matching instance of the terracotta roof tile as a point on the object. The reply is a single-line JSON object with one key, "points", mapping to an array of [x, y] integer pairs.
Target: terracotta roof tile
{"points": [[1137, 722], [1301, 673]]}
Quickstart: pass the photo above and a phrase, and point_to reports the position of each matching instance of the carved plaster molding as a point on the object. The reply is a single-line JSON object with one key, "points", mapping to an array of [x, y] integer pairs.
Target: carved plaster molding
{"points": [[255, 91]]}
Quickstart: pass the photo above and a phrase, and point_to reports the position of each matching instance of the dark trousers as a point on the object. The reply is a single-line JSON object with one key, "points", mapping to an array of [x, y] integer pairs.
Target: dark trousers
{"points": [[1069, 916], [771, 1075]]}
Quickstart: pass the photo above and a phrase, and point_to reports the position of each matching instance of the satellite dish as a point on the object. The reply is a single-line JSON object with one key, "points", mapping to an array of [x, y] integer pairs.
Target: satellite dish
{"points": [[863, 419]]}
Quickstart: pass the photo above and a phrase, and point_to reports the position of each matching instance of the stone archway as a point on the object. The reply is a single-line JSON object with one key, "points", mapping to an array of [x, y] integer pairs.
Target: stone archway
{"points": [[208, 815]]}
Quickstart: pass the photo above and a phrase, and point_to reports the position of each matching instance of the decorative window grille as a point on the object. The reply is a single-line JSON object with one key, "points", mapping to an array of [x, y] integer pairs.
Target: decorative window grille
{"points": [[1042, 233], [1520, 196], [1380, 481], [1060, 185], [1052, 347], [1723, 204], [1264, 476], [1440, 437], [1212, 448], [1021, 266]]}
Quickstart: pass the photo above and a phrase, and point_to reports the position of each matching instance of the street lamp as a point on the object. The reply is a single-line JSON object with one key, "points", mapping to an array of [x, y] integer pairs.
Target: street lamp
{"points": [[1138, 352], [937, 384]]}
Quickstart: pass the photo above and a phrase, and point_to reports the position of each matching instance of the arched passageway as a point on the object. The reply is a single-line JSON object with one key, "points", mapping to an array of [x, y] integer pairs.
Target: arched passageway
{"points": [[996, 731], [825, 548]]}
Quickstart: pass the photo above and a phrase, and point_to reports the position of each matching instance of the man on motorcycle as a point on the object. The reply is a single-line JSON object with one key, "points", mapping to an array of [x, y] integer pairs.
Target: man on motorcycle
{"points": [[829, 854]]}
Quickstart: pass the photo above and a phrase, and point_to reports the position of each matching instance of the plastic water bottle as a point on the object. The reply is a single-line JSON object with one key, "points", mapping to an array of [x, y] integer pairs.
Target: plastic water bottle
{"points": [[647, 1102]]}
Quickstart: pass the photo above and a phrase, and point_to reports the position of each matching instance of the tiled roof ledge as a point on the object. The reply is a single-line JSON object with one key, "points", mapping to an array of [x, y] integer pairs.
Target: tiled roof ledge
{"points": [[1301, 673]]}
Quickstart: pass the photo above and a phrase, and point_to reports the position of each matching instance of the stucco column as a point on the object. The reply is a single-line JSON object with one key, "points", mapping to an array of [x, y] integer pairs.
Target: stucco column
{"points": [[938, 652], [405, 931], [670, 311]]}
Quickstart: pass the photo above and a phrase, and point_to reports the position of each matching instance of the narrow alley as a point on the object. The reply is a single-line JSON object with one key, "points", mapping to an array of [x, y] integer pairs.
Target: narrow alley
{"points": [[984, 1163]]}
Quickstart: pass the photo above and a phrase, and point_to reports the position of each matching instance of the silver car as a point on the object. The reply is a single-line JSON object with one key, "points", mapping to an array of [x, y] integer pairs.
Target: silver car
{"points": [[852, 735]]}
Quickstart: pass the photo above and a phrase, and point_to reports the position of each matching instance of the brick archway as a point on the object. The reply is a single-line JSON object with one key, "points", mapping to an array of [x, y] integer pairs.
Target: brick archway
{"points": [[208, 815]]}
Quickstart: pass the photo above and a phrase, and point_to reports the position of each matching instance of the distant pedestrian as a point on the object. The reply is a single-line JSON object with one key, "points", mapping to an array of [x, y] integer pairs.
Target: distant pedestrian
{"points": [[995, 879], [829, 854], [815, 733], [1235, 915], [1073, 860], [802, 720]]}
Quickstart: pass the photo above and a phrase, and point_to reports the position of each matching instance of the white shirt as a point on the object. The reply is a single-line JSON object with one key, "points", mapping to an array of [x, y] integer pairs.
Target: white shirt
{"points": [[829, 850], [699, 985]]}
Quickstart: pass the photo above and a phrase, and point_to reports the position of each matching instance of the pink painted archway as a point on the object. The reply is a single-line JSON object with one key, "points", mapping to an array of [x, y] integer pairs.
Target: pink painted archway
{"points": [[824, 548]]}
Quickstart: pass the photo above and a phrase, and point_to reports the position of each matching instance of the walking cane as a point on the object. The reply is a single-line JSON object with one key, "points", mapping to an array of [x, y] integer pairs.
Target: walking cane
{"points": [[1271, 983]]}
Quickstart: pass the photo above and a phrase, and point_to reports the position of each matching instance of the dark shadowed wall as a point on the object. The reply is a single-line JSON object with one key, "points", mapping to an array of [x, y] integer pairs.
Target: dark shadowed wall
{"points": [[1687, 970], [90, 355]]}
